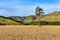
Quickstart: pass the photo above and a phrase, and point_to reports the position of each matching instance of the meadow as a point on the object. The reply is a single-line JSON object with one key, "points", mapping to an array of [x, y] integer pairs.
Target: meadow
{"points": [[29, 32]]}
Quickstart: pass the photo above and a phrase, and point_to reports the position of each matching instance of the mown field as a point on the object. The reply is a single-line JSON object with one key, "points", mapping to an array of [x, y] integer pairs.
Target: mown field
{"points": [[29, 32]]}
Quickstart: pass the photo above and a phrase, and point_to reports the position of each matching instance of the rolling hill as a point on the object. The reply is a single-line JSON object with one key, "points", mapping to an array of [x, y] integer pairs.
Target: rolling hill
{"points": [[52, 17], [16, 20], [5, 21]]}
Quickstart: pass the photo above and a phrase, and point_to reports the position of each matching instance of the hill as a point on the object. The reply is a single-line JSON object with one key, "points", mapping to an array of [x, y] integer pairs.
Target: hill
{"points": [[14, 20], [5, 21], [52, 17]]}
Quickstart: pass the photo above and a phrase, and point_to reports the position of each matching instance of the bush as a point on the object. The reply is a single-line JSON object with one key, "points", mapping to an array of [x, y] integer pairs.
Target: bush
{"points": [[27, 23], [44, 23], [50, 23]]}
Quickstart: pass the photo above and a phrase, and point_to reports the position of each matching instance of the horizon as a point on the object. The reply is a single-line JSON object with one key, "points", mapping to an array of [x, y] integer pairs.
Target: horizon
{"points": [[27, 7]]}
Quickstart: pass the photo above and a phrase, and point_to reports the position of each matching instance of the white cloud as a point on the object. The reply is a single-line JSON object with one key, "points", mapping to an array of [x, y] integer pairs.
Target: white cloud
{"points": [[50, 7], [28, 10], [2, 11]]}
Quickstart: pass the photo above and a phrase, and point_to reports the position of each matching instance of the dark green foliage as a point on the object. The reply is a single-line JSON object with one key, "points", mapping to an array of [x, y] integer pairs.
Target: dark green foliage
{"points": [[42, 23], [50, 23], [3, 17], [27, 23], [39, 12]]}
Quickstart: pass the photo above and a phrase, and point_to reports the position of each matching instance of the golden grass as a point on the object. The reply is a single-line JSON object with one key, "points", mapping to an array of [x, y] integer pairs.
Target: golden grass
{"points": [[29, 32], [8, 22]]}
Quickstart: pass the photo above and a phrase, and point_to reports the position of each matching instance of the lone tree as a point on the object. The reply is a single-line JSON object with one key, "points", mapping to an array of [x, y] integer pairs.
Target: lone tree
{"points": [[38, 13]]}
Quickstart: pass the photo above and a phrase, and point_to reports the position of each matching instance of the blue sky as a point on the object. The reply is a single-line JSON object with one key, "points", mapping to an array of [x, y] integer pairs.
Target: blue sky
{"points": [[27, 7]]}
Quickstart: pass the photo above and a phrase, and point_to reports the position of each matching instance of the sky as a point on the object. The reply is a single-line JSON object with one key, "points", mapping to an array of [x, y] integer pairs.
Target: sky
{"points": [[27, 7]]}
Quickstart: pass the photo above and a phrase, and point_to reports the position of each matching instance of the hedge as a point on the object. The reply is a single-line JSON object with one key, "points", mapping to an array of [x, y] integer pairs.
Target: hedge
{"points": [[27, 23], [42, 23], [50, 23]]}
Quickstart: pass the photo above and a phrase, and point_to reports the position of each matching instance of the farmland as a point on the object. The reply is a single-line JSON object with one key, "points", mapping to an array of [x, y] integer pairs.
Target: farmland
{"points": [[29, 32]]}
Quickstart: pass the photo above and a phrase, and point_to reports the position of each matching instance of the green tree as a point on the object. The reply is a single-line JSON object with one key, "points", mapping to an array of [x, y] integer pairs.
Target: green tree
{"points": [[39, 12]]}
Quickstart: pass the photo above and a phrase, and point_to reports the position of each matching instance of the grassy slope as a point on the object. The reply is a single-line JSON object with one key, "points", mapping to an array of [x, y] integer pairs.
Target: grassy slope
{"points": [[55, 16], [7, 21], [52, 17]]}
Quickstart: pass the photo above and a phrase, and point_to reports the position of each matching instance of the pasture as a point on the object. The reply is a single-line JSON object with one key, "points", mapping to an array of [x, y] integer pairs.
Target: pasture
{"points": [[29, 32]]}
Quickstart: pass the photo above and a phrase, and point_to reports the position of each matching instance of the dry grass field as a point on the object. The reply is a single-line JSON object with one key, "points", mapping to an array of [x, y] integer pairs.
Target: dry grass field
{"points": [[29, 32]]}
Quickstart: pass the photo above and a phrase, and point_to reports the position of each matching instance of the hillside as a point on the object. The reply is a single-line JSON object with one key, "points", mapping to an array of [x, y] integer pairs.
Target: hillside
{"points": [[12, 20], [5, 21], [52, 17]]}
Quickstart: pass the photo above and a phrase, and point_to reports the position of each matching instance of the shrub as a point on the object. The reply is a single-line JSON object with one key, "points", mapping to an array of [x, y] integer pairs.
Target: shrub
{"points": [[27, 23], [44, 23], [50, 23]]}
